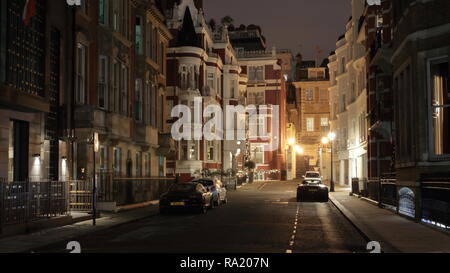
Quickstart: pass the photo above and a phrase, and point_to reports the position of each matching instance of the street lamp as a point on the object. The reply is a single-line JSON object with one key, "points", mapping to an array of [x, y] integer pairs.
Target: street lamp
{"points": [[299, 150], [291, 141], [331, 137]]}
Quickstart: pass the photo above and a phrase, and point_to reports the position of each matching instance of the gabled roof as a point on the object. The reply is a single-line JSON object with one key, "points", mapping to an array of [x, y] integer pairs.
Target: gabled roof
{"points": [[187, 35]]}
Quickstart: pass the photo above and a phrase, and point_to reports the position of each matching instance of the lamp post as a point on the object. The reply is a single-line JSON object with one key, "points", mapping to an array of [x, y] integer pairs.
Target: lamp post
{"points": [[95, 150], [331, 137], [325, 140]]}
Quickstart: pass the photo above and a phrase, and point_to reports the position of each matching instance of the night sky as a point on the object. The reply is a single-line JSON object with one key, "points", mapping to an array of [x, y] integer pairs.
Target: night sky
{"points": [[289, 23]]}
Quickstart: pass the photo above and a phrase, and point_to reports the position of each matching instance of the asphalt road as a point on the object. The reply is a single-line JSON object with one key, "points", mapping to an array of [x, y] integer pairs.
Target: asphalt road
{"points": [[259, 218]]}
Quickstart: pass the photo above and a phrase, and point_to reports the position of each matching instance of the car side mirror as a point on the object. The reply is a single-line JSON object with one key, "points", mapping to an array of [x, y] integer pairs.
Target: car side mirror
{"points": [[303, 176]]}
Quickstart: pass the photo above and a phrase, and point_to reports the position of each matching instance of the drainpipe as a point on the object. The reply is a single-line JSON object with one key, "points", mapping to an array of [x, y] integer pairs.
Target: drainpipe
{"points": [[72, 101]]}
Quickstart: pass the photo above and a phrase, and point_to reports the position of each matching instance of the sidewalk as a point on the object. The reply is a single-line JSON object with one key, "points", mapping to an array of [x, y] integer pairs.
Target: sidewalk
{"points": [[395, 233], [27, 242]]}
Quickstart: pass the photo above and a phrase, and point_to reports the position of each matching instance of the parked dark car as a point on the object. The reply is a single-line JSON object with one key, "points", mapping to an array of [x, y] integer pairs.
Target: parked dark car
{"points": [[312, 190], [186, 196], [217, 189]]}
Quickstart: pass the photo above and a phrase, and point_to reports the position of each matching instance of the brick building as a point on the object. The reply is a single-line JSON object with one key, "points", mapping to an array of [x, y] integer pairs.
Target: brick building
{"points": [[378, 26], [202, 65], [420, 59], [120, 88], [267, 73], [312, 96], [36, 86]]}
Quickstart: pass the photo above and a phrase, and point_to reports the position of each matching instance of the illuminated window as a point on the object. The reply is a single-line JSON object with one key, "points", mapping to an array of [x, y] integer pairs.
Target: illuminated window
{"points": [[310, 124], [440, 99], [309, 95]]}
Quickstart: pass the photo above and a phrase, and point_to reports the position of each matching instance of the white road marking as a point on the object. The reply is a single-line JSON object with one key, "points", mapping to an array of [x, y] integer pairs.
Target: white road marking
{"points": [[294, 232]]}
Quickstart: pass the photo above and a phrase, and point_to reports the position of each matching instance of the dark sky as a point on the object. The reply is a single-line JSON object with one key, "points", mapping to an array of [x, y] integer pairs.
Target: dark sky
{"points": [[289, 23]]}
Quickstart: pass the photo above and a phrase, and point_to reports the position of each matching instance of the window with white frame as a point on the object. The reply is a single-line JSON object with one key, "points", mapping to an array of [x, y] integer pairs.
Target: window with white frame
{"points": [[81, 82], [211, 81], [324, 122], [310, 124], [256, 73], [309, 95], [210, 150], [103, 82], [257, 152], [440, 100]]}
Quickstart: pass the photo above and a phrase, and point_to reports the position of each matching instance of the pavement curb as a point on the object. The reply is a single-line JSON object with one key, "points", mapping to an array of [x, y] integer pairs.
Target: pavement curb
{"points": [[84, 233], [359, 226]]}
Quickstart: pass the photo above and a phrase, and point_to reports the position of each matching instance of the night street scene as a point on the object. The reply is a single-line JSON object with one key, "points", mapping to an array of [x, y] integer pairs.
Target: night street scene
{"points": [[238, 127]]}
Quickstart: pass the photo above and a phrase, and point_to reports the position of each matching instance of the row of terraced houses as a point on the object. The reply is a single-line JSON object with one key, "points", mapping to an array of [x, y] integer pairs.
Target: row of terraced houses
{"points": [[106, 74], [389, 100]]}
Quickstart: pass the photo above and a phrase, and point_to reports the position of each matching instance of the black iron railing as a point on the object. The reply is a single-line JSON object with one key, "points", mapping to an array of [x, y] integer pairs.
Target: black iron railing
{"points": [[126, 191], [22, 202], [436, 198]]}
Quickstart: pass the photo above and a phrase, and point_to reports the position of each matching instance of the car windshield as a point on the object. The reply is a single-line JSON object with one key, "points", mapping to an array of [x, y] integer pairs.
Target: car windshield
{"points": [[313, 175], [183, 187], [311, 182]]}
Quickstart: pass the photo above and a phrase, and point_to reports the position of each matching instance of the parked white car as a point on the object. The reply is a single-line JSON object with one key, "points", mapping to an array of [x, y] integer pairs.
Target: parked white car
{"points": [[311, 176]]}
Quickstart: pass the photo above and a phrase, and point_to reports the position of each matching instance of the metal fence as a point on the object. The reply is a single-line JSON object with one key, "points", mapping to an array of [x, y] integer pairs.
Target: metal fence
{"points": [[436, 198], [80, 195], [22, 202], [388, 192], [383, 190], [127, 191]]}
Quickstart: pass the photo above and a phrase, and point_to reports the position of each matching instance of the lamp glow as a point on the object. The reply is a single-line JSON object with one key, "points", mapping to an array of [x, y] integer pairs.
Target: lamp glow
{"points": [[291, 141], [332, 136], [325, 140], [299, 150]]}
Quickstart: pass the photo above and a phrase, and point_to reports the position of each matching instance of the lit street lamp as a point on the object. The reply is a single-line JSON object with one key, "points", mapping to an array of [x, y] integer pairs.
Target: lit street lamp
{"points": [[299, 150]]}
